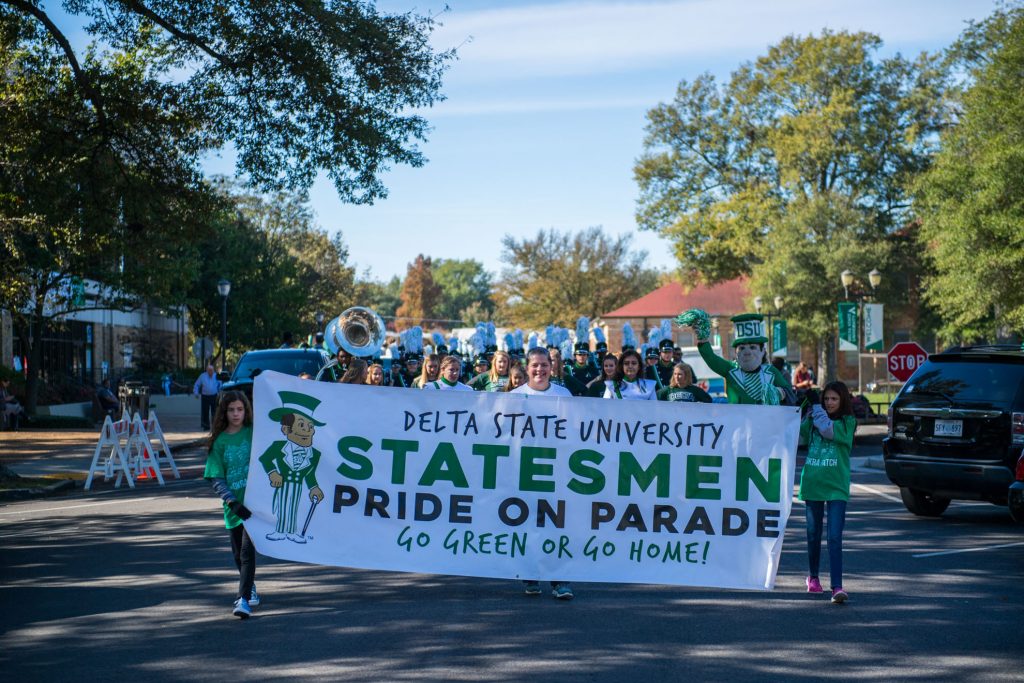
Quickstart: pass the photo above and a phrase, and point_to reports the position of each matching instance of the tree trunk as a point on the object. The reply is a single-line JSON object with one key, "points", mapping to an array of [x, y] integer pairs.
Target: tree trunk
{"points": [[827, 359], [35, 358]]}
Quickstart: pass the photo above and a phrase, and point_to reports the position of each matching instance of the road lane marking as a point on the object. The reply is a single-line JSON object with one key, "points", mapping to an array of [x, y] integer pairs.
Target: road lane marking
{"points": [[969, 550], [72, 507], [887, 496]]}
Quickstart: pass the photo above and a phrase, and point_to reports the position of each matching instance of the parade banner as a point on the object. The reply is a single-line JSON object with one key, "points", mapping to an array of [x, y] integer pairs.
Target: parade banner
{"points": [[848, 327], [780, 339], [509, 486], [873, 327]]}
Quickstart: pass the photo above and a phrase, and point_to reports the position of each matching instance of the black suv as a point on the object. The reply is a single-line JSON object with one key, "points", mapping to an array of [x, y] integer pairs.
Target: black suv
{"points": [[289, 361], [956, 429]]}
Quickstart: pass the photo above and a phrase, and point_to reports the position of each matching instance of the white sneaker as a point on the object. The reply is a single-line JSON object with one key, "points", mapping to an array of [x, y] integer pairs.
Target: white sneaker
{"points": [[254, 597], [242, 610], [276, 536], [295, 538]]}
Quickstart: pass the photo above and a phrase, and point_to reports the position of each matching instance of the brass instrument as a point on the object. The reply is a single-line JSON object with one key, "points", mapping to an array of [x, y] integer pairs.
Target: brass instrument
{"points": [[358, 330]]}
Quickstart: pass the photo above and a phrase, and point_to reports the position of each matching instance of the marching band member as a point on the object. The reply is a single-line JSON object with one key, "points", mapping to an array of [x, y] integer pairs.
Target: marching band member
{"points": [[597, 386], [448, 380], [497, 377], [682, 388], [431, 371], [375, 375], [628, 384], [516, 377]]}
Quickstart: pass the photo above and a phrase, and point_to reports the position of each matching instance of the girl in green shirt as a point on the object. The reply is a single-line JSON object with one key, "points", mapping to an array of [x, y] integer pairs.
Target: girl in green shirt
{"points": [[682, 388], [227, 468], [825, 481]]}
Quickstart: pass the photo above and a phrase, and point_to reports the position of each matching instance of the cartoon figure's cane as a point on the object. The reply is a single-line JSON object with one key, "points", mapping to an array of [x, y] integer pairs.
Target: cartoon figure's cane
{"points": [[312, 509]]}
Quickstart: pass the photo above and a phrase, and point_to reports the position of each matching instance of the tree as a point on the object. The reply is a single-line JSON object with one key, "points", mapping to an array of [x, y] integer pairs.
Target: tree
{"points": [[971, 202], [100, 153], [795, 170], [557, 277], [297, 88], [78, 201], [382, 297], [463, 283], [282, 266], [421, 296]]}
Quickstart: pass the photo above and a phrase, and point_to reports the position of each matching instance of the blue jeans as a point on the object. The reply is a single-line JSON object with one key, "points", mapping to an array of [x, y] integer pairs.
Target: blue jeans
{"points": [[815, 511]]}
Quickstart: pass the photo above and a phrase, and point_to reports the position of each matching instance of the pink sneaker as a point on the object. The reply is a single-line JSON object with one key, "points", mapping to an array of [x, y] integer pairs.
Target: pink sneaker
{"points": [[813, 585], [839, 596]]}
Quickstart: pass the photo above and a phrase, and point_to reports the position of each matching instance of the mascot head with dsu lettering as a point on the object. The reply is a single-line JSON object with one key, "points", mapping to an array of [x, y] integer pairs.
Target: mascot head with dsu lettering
{"points": [[749, 345], [750, 341]]}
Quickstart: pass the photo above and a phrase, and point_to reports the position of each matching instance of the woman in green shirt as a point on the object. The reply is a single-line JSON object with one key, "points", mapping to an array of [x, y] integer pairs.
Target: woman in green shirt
{"points": [[682, 388], [227, 468], [825, 481]]}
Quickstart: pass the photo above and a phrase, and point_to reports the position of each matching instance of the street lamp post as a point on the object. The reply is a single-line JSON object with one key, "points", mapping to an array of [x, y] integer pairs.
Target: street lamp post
{"points": [[847, 277], [223, 288], [758, 305]]}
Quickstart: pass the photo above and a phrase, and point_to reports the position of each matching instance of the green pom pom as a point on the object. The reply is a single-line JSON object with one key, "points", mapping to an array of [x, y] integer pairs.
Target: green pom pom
{"points": [[699, 320]]}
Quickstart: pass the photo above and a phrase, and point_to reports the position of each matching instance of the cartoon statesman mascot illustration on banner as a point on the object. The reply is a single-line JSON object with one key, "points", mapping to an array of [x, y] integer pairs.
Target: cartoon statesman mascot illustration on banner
{"points": [[291, 464]]}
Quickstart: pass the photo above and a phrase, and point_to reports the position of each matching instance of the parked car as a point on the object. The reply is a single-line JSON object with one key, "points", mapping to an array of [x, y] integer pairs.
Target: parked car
{"points": [[289, 361], [1016, 495], [956, 429]]}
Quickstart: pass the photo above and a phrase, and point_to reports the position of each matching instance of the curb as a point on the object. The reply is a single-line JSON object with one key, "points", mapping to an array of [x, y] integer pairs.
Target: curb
{"points": [[38, 491]]}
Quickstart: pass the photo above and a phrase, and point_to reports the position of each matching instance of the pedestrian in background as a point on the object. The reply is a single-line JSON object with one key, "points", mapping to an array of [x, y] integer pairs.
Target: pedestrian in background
{"points": [[206, 388], [825, 481], [227, 469]]}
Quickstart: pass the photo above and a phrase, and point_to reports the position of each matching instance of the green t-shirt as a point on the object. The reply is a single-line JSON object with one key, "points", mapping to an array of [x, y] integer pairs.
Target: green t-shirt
{"points": [[826, 472], [229, 460], [691, 394]]}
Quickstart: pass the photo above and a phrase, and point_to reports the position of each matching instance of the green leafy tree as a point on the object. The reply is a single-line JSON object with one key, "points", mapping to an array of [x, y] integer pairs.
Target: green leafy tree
{"points": [[464, 283], [80, 201], [556, 277], [100, 151], [282, 266], [971, 202], [793, 171], [382, 297]]}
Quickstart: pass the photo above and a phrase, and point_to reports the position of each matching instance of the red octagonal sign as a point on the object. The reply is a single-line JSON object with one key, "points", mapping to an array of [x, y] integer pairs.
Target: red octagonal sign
{"points": [[904, 358]]}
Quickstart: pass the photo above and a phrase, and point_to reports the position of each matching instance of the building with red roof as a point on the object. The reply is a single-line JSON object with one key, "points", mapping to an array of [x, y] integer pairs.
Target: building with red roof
{"points": [[721, 301]]}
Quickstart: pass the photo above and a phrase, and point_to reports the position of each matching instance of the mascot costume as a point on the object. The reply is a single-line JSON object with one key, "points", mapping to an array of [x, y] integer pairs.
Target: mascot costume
{"points": [[749, 379]]}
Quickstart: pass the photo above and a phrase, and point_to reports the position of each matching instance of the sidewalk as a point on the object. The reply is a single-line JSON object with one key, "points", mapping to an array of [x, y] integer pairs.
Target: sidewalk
{"points": [[67, 453]]}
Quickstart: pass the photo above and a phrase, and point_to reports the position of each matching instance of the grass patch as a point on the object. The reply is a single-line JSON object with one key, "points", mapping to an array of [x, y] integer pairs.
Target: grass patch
{"points": [[16, 482]]}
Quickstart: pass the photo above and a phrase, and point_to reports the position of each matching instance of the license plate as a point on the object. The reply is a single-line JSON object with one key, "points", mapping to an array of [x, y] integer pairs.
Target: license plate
{"points": [[949, 428]]}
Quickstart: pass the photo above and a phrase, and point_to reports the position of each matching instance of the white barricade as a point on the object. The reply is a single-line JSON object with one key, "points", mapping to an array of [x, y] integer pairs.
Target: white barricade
{"points": [[137, 449], [113, 436]]}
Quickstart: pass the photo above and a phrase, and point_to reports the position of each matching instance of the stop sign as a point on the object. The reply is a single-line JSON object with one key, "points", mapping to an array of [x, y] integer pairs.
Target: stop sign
{"points": [[904, 358]]}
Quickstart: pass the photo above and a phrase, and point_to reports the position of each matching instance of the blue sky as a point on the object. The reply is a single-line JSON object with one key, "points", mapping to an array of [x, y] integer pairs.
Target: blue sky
{"points": [[545, 108]]}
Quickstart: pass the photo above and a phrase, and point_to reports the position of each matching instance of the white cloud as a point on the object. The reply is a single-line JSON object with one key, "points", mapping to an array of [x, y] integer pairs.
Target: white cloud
{"points": [[576, 38]]}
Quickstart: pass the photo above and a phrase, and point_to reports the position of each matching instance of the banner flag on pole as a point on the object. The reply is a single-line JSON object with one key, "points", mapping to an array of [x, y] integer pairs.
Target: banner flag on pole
{"points": [[509, 486], [780, 342], [873, 327], [848, 326]]}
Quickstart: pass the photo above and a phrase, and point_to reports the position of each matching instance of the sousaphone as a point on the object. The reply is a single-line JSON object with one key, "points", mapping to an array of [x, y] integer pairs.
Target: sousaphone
{"points": [[358, 330]]}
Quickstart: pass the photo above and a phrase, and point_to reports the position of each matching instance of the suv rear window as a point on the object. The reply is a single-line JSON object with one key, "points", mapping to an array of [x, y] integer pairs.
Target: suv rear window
{"points": [[985, 378], [290, 364]]}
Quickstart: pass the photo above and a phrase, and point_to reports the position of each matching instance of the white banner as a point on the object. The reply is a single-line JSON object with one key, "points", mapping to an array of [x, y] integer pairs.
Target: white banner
{"points": [[501, 485], [873, 327]]}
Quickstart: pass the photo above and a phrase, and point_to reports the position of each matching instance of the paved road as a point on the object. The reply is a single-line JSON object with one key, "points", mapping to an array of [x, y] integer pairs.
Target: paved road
{"points": [[138, 585]]}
